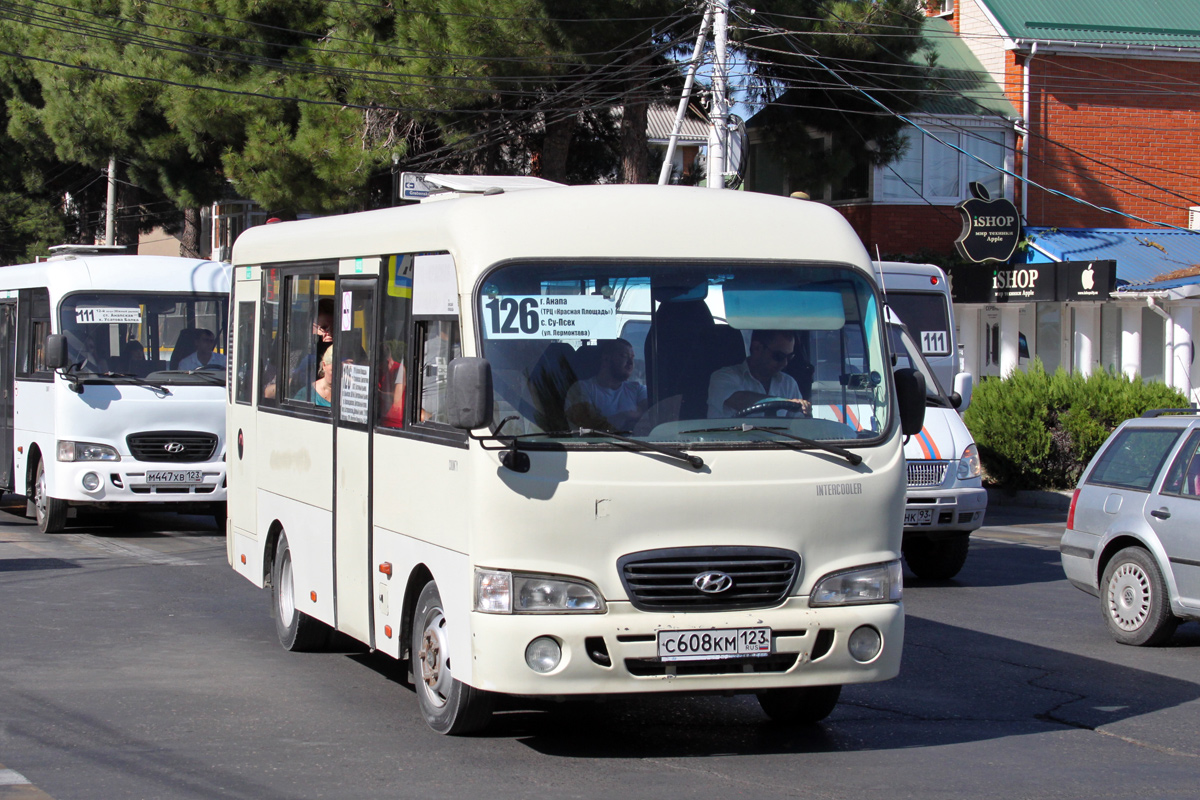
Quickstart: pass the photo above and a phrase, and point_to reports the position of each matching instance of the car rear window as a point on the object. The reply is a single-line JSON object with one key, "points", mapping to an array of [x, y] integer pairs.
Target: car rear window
{"points": [[1133, 457]]}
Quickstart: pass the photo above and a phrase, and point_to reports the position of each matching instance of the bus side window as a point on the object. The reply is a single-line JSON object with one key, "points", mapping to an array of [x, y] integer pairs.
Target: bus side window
{"points": [[268, 339], [439, 346], [243, 385], [33, 321], [391, 384], [307, 335]]}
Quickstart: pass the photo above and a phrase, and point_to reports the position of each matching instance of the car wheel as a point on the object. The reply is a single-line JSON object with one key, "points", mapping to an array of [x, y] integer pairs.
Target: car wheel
{"points": [[448, 705], [1134, 599], [802, 705], [937, 559], [297, 631], [51, 512]]}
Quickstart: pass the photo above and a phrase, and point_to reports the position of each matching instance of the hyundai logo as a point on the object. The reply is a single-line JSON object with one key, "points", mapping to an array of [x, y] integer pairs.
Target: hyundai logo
{"points": [[173, 447], [713, 582]]}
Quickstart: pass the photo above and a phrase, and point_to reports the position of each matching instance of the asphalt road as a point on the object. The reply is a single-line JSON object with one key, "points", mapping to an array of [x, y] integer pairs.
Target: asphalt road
{"points": [[135, 664]]}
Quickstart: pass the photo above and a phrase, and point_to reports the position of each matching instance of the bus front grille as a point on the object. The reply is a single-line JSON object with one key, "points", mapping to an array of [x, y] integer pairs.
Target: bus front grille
{"points": [[926, 473], [173, 447], [708, 578]]}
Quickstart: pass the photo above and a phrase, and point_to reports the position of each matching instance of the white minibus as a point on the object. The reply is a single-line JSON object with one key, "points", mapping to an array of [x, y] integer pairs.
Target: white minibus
{"points": [[110, 398], [421, 479], [920, 296]]}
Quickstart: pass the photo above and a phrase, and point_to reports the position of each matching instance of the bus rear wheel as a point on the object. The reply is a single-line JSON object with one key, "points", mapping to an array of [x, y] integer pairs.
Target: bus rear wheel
{"points": [[801, 705], [51, 512], [448, 705], [297, 631]]}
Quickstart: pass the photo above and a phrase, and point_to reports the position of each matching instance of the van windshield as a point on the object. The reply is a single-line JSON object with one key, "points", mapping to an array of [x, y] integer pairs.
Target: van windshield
{"points": [[692, 354], [908, 355], [164, 338]]}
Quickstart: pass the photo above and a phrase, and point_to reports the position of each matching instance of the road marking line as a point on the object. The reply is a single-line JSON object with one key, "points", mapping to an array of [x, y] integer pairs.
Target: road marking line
{"points": [[15, 786], [10, 777]]}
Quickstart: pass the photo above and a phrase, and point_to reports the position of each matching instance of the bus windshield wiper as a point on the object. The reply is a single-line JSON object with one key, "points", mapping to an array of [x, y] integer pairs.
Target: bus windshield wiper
{"points": [[219, 374], [854, 458], [134, 379], [514, 459], [695, 462]]}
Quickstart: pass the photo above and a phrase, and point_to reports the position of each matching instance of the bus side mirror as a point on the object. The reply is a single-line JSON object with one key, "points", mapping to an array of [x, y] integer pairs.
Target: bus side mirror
{"points": [[963, 383], [469, 393], [56, 351], [910, 392]]}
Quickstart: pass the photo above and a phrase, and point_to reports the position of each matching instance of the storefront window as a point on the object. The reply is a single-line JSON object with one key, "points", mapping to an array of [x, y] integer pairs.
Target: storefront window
{"points": [[1153, 345], [1049, 335]]}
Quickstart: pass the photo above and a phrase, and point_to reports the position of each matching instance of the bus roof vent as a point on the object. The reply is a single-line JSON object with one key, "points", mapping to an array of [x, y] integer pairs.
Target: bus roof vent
{"points": [[425, 186]]}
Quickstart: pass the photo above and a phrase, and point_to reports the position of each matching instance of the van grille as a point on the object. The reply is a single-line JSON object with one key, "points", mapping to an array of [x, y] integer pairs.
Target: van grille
{"points": [[665, 580], [926, 473], [174, 447]]}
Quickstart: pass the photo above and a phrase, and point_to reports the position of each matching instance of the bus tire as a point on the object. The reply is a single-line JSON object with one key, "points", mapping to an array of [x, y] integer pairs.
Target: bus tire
{"points": [[937, 559], [448, 705], [51, 513], [800, 705], [298, 632]]}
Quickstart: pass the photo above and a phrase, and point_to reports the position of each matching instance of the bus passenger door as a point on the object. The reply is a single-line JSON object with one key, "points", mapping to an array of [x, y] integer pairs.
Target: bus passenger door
{"points": [[354, 340], [8, 358], [241, 426]]}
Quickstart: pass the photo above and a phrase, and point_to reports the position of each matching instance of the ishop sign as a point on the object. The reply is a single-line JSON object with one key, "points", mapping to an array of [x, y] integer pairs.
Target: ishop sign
{"points": [[1064, 281], [991, 228]]}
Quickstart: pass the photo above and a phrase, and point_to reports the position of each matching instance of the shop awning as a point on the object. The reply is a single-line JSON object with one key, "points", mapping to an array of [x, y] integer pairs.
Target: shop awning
{"points": [[1147, 258]]}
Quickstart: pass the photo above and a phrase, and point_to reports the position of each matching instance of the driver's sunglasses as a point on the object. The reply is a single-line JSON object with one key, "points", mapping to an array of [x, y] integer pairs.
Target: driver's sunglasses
{"points": [[783, 357]]}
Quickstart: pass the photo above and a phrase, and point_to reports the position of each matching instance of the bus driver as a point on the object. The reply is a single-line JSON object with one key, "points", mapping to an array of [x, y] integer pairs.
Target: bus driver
{"points": [[760, 376]]}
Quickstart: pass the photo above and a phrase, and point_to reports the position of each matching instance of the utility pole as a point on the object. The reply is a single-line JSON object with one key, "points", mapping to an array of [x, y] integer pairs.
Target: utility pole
{"points": [[110, 218], [664, 175], [718, 134]]}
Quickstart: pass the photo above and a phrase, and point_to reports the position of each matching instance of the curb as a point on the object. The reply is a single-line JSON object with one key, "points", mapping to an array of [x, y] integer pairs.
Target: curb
{"points": [[1059, 501]]}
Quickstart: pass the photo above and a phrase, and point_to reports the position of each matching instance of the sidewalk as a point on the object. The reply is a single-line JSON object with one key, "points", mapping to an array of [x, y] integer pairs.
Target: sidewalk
{"points": [[1057, 501], [1027, 508]]}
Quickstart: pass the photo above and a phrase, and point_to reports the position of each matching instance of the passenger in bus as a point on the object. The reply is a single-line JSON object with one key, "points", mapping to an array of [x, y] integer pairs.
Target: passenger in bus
{"points": [[609, 401], [322, 331], [133, 357], [320, 391], [760, 376], [204, 356]]}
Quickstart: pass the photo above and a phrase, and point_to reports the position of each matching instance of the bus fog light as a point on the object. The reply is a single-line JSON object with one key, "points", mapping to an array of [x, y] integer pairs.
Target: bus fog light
{"points": [[91, 481], [543, 654], [865, 643]]}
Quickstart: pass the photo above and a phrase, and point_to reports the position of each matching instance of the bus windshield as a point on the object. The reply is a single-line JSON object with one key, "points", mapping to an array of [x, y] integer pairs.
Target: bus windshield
{"points": [[707, 355], [166, 338], [908, 355]]}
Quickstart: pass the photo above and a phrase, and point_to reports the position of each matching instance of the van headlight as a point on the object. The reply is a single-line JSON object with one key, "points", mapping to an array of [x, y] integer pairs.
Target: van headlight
{"points": [[86, 451], [969, 465], [878, 583], [499, 592]]}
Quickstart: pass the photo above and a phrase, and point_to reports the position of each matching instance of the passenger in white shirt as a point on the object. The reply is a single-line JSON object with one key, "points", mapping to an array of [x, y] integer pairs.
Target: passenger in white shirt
{"points": [[760, 376], [204, 355], [609, 401]]}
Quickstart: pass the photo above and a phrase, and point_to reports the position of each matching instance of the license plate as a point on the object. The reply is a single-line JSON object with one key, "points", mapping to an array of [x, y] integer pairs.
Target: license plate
{"points": [[701, 645], [918, 516], [174, 476]]}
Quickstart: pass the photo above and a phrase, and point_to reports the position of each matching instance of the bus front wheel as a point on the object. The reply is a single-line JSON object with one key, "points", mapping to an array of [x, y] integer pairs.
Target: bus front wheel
{"points": [[801, 705], [51, 512], [448, 705], [297, 631]]}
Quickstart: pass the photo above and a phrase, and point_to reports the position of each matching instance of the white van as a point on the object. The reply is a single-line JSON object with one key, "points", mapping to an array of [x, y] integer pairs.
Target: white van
{"points": [[424, 490], [946, 499], [100, 403]]}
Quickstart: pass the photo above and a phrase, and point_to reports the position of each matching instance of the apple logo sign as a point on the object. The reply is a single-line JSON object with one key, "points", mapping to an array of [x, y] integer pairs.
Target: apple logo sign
{"points": [[991, 227], [1088, 278]]}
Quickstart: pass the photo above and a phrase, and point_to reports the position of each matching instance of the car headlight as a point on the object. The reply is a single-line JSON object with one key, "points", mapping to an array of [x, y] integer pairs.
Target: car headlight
{"points": [[969, 465], [499, 592], [86, 451], [878, 583]]}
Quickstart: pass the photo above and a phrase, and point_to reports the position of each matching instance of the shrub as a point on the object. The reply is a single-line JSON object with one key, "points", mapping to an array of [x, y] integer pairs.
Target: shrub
{"points": [[1038, 431]]}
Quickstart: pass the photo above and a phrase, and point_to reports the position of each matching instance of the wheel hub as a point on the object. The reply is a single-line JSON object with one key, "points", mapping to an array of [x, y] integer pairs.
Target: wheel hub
{"points": [[1129, 597], [435, 670]]}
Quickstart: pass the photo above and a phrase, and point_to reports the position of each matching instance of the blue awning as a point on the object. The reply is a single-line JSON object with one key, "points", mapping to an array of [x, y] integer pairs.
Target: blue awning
{"points": [[1142, 254]]}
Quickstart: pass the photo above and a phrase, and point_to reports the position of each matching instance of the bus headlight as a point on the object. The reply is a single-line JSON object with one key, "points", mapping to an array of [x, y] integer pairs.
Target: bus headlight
{"points": [[86, 451], [969, 465], [498, 592], [878, 583]]}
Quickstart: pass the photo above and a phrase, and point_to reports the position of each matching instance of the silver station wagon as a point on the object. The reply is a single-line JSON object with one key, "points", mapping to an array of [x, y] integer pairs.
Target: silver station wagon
{"points": [[1133, 531]]}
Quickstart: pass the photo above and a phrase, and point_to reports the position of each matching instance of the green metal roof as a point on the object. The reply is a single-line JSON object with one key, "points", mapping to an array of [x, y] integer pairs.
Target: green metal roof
{"points": [[960, 84], [1167, 23]]}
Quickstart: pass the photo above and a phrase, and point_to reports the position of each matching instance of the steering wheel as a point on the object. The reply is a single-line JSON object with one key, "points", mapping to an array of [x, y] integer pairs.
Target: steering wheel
{"points": [[768, 404]]}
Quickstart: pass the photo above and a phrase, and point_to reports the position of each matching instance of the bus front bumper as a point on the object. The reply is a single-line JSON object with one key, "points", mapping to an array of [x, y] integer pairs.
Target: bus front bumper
{"points": [[617, 652], [128, 481]]}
